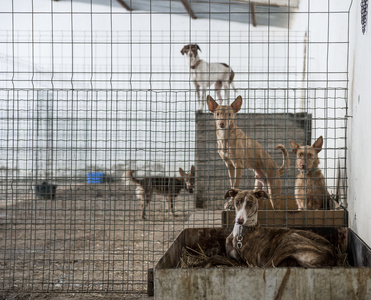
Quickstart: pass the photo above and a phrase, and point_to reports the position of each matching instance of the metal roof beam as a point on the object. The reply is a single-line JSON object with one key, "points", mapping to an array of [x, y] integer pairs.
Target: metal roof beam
{"points": [[278, 3], [253, 14], [124, 5], [188, 9]]}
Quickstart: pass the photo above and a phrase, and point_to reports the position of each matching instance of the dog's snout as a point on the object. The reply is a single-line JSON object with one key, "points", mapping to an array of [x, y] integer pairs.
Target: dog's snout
{"points": [[221, 124], [240, 221], [189, 188]]}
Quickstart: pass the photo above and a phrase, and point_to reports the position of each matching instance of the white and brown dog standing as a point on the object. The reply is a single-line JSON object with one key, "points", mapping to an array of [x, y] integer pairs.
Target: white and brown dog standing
{"points": [[272, 247], [240, 152], [205, 74]]}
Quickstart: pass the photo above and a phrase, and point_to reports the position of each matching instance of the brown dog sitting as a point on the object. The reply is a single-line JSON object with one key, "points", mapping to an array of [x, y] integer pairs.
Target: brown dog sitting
{"points": [[310, 185], [272, 247]]}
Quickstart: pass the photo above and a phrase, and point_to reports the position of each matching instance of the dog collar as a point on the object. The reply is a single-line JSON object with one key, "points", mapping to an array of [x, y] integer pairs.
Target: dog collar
{"points": [[240, 236], [239, 239], [196, 64], [310, 171]]}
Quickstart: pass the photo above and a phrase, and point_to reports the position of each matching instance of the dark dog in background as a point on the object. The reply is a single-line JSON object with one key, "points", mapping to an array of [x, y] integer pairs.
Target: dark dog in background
{"points": [[169, 187], [272, 247]]}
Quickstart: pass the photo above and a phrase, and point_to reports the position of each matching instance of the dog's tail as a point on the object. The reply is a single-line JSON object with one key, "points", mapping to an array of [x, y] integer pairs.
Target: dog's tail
{"points": [[286, 162], [231, 77], [130, 177]]}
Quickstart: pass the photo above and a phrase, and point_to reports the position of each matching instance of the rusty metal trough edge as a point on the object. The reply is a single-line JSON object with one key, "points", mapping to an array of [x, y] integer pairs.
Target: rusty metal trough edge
{"points": [[294, 218]]}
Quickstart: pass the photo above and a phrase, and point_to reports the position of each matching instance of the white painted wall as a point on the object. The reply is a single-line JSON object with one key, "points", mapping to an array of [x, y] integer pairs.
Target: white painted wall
{"points": [[326, 26], [358, 161], [359, 130]]}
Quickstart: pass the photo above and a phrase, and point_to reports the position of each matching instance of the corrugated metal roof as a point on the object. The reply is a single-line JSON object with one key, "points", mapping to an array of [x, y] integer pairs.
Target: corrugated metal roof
{"points": [[261, 12], [228, 10]]}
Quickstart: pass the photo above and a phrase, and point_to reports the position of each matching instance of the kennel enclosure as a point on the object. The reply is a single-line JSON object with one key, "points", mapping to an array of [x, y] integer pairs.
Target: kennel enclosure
{"points": [[101, 87]]}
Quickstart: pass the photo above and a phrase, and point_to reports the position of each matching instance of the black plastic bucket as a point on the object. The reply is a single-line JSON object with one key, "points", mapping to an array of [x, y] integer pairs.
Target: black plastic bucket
{"points": [[45, 190]]}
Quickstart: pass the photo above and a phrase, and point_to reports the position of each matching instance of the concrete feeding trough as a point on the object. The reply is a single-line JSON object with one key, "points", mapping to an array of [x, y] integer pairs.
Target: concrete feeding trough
{"points": [[354, 282]]}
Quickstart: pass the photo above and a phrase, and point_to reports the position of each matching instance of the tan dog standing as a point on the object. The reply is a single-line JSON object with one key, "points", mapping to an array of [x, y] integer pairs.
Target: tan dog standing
{"points": [[310, 185], [240, 152]]}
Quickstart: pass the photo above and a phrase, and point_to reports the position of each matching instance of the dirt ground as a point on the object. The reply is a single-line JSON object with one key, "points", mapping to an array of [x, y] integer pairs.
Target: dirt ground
{"points": [[90, 238]]}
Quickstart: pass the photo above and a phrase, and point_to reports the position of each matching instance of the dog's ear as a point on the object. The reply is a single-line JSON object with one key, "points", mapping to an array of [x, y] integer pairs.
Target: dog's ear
{"points": [[317, 145], [236, 105], [231, 193], [193, 171], [182, 173], [198, 48], [260, 194], [294, 146], [211, 103]]}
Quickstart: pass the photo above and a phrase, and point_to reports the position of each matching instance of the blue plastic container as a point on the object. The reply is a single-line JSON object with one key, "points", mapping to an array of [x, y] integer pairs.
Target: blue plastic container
{"points": [[95, 177]]}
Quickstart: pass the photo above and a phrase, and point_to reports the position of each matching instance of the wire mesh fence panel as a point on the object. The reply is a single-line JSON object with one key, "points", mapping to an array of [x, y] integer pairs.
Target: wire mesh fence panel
{"points": [[108, 149]]}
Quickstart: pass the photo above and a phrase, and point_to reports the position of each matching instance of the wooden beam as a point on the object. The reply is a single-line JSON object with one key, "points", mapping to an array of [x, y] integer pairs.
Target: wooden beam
{"points": [[253, 14], [188, 9], [124, 5]]}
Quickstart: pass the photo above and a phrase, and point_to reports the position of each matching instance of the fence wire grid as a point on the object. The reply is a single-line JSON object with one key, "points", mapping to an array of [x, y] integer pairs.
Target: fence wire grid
{"points": [[91, 90]]}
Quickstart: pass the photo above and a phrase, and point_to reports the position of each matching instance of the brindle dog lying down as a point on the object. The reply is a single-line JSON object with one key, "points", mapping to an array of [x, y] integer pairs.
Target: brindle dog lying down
{"points": [[266, 247]]}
